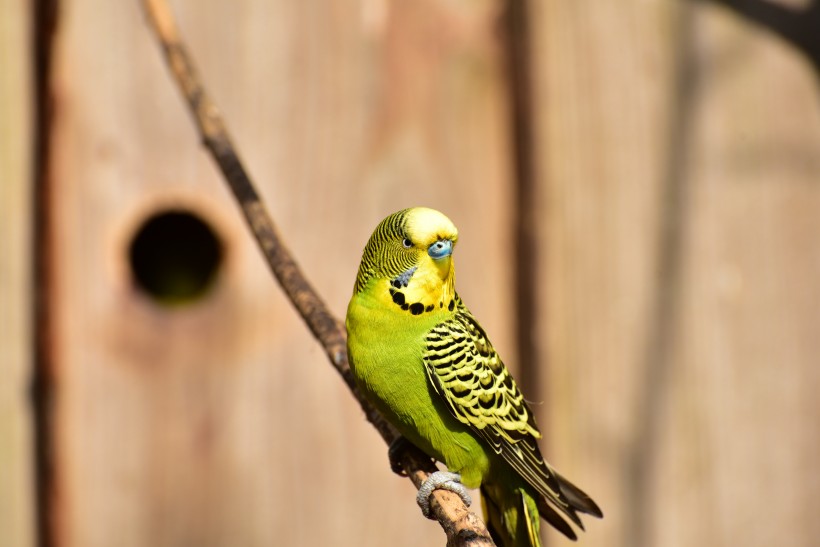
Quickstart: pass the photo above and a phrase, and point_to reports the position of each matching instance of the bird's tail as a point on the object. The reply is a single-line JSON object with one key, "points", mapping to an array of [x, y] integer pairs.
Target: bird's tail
{"points": [[512, 514]]}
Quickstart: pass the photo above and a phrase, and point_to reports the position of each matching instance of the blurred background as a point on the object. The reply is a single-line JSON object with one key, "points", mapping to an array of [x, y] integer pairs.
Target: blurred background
{"points": [[637, 188]]}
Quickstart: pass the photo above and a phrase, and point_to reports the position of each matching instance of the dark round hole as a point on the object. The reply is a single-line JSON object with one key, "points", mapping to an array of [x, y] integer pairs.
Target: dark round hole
{"points": [[175, 257]]}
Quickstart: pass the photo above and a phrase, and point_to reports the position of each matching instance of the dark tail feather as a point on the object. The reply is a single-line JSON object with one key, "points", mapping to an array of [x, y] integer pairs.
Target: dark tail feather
{"points": [[554, 519], [573, 500], [578, 498], [491, 515]]}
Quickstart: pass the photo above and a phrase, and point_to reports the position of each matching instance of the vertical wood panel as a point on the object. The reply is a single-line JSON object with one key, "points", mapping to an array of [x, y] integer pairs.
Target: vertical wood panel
{"points": [[604, 76], [679, 190], [221, 423], [750, 314], [16, 457]]}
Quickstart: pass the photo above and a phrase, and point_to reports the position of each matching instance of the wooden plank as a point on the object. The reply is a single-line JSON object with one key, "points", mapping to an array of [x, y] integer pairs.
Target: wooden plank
{"points": [[749, 314], [16, 469], [221, 423], [678, 152], [603, 81]]}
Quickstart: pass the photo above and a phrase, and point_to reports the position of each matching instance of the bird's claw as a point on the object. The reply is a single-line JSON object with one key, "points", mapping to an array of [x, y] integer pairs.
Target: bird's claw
{"points": [[441, 480], [393, 454]]}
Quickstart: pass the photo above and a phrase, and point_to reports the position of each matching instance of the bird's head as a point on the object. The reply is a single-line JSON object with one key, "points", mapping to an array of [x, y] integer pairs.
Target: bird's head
{"points": [[410, 254]]}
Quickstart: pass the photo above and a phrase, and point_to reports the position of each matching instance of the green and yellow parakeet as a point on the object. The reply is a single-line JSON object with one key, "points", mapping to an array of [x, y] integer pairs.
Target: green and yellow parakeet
{"points": [[421, 357]]}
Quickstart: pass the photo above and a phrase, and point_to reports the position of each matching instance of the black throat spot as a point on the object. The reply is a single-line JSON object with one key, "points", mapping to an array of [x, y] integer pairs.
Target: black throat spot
{"points": [[416, 308], [398, 297]]}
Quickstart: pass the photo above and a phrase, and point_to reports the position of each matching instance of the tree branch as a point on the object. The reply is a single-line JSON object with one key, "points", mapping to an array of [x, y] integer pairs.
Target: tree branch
{"points": [[462, 527], [799, 27]]}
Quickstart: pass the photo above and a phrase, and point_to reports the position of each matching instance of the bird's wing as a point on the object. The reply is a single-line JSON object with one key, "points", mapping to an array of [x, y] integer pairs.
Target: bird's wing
{"points": [[468, 374]]}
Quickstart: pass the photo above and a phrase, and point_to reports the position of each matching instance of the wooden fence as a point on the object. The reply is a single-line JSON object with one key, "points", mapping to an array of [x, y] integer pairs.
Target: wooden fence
{"points": [[637, 188]]}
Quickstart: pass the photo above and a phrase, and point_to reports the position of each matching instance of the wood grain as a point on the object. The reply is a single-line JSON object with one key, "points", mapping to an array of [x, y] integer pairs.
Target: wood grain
{"points": [[16, 454]]}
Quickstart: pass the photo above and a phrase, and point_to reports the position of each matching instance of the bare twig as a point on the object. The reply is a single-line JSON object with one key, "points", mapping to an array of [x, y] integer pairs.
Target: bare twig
{"points": [[798, 25], [461, 526]]}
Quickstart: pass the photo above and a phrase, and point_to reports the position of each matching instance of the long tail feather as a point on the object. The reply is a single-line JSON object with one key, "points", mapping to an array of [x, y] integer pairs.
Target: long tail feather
{"points": [[554, 519], [492, 515], [579, 500], [529, 514], [512, 515]]}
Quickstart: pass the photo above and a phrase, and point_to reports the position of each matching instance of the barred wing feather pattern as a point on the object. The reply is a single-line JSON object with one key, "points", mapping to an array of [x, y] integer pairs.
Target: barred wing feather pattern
{"points": [[468, 374]]}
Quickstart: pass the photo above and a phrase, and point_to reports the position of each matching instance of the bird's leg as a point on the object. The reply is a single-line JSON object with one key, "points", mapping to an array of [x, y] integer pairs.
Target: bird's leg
{"points": [[446, 481], [393, 451], [440, 479]]}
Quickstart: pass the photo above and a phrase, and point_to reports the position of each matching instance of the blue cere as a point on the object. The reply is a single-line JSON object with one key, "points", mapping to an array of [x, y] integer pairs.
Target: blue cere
{"points": [[440, 249]]}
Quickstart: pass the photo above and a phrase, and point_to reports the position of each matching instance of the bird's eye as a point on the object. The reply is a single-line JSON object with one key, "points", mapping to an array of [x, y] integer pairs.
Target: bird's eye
{"points": [[407, 243]]}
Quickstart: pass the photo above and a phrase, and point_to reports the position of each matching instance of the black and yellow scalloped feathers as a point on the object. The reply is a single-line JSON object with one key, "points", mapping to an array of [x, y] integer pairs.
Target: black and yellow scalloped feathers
{"points": [[468, 374], [473, 379]]}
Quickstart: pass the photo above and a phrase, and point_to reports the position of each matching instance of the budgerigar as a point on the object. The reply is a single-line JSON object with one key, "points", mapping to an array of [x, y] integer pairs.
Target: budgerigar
{"points": [[421, 357]]}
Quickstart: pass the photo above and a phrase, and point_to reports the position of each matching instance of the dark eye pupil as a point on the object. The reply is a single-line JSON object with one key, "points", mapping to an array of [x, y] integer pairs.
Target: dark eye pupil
{"points": [[407, 243]]}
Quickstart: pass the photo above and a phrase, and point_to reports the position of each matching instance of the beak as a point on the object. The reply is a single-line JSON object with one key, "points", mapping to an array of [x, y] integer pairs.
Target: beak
{"points": [[440, 249]]}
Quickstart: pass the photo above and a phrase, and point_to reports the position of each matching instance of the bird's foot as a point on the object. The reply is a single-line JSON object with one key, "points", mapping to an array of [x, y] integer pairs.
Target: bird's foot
{"points": [[441, 480], [393, 454]]}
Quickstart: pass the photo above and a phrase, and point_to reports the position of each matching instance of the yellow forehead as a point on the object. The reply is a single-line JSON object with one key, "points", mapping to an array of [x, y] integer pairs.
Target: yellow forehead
{"points": [[426, 226]]}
